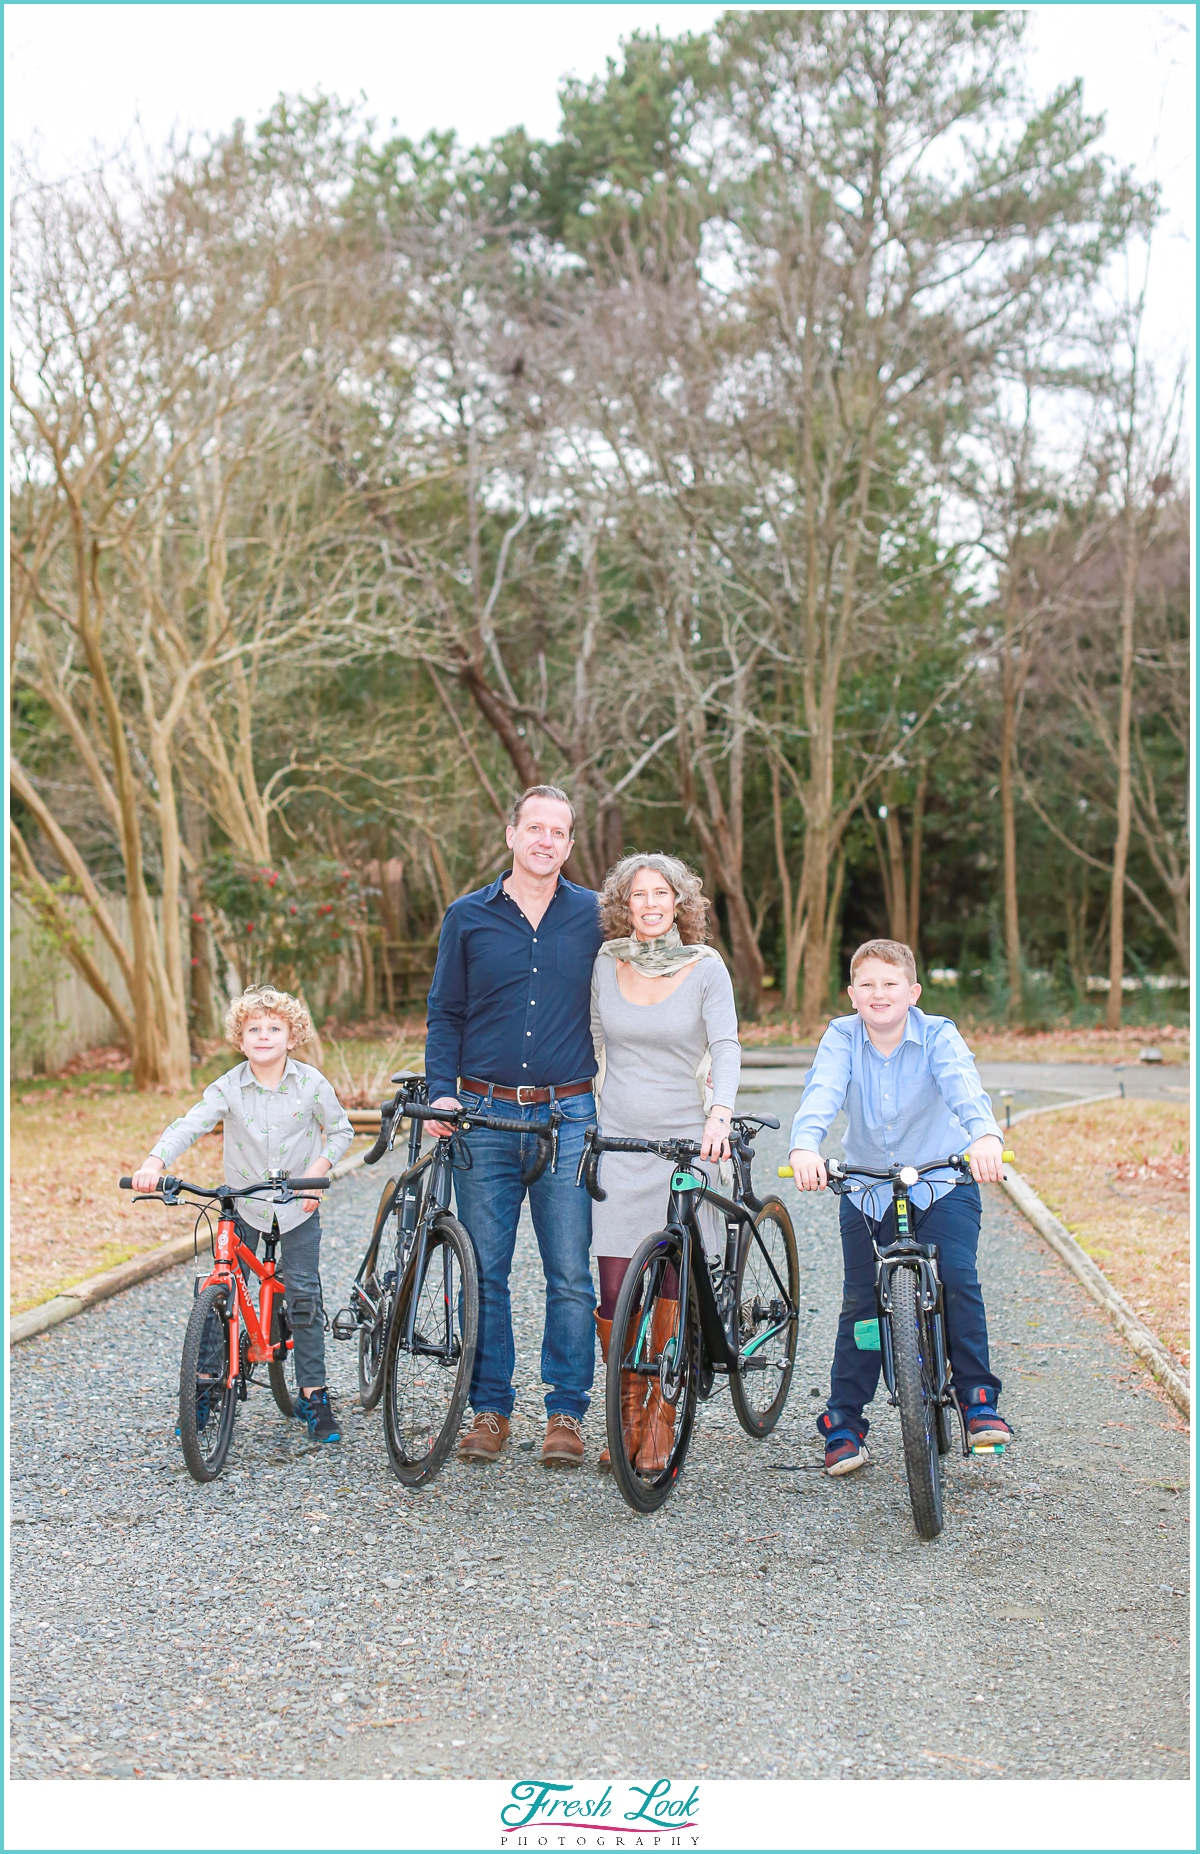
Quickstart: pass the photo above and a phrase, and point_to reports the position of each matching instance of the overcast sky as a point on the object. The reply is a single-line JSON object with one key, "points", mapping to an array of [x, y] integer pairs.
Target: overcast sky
{"points": [[78, 77]]}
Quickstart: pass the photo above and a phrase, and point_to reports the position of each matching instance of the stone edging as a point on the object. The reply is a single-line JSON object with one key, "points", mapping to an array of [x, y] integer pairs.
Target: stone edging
{"points": [[115, 1280], [1081, 1265]]}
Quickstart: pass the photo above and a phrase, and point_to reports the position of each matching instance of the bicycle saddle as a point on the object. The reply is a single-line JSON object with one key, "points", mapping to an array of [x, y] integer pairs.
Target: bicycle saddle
{"points": [[407, 1075], [752, 1120]]}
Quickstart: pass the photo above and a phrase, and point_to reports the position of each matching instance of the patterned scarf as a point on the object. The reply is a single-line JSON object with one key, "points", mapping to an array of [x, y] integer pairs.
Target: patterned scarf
{"points": [[658, 958]]}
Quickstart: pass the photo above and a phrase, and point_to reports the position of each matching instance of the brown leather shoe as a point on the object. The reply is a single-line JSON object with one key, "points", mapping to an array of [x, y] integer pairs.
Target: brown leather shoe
{"points": [[563, 1446], [658, 1437], [633, 1396], [485, 1439]]}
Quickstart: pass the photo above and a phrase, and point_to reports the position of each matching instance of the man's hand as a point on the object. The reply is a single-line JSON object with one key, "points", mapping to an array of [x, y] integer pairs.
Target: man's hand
{"points": [[438, 1128], [148, 1174], [986, 1164], [317, 1169], [809, 1169]]}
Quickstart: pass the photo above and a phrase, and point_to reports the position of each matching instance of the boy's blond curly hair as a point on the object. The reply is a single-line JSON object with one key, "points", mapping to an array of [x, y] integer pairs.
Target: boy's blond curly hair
{"points": [[265, 1001]]}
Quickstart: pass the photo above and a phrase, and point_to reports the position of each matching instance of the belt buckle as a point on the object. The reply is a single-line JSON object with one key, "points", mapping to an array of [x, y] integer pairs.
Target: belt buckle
{"points": [[522, 1089]]}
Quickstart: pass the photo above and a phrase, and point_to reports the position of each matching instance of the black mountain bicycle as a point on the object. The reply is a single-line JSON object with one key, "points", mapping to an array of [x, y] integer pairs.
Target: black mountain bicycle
{"points": [[414, 1303], [910, 1332], [681, 1321]]}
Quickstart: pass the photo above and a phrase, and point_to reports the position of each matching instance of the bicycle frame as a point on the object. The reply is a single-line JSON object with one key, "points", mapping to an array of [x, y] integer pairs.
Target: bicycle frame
{"points": [[231, 1255], [922, 1259], [716, 1326]]}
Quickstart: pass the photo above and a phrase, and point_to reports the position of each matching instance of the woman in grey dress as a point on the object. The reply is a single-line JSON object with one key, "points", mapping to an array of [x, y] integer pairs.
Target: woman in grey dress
{"points": [[664, 1024]]}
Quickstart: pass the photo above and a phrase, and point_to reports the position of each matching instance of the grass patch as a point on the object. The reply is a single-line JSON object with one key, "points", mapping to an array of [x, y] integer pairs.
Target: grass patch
{"points": [[1116, 1174]]}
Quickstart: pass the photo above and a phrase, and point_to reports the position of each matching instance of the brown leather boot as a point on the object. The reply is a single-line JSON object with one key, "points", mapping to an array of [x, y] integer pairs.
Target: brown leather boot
{"points": [[485, 1439], [563, 1444], [633, 1395], [658, 1437]]}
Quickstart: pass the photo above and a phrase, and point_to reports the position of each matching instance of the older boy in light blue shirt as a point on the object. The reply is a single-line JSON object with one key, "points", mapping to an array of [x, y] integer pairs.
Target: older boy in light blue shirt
{"points": [[912, 1096]]}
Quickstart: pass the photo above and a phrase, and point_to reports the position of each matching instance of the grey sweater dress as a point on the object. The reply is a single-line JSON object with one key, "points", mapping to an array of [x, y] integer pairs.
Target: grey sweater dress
{"points": [[650, 1091]]}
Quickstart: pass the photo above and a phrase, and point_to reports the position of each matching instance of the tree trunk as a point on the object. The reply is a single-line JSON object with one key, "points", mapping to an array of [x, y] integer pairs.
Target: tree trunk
{"points": [[895, 849], [1116, 927], [1008, 819], [914, 881]]}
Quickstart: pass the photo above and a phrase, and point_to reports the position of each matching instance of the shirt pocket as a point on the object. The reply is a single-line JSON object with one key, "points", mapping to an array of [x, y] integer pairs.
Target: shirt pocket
{"points": [[574, 959]]}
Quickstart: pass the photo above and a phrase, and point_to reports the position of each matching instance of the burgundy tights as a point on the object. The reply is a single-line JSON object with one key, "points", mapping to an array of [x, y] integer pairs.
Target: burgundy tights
{"points": [[612, 1273]]}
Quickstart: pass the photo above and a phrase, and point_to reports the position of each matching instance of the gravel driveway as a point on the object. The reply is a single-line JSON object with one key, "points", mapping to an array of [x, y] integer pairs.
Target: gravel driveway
{"points": [[306, 1616]]}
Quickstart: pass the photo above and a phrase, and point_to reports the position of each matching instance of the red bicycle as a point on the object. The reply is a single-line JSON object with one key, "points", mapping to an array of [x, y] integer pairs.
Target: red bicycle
{"points": [[227, 1336]]}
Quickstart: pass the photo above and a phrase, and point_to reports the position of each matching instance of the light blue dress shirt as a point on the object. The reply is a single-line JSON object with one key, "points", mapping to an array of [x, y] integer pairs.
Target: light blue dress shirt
{"points": [[920, 1104]]}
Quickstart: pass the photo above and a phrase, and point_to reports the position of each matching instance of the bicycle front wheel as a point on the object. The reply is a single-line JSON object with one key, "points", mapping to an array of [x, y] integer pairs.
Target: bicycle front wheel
{"points": [[767, 1289], [430, 1353], [380, 1285], [660, 1349], [916, 1394], [207, 1401]]}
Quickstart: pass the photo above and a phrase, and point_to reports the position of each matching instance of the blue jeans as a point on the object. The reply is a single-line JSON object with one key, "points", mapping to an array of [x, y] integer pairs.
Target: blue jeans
{"points": [[952, 1222], [489, 1199]]}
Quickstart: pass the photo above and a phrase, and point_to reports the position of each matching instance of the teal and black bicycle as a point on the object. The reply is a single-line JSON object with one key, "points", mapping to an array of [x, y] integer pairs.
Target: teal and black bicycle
{"points": [[683, 1323]]}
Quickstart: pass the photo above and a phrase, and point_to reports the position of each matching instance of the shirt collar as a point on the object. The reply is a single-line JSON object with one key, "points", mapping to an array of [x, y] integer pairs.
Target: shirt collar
{"points": [[246, 1078], [497, 888], [912, 1033]]}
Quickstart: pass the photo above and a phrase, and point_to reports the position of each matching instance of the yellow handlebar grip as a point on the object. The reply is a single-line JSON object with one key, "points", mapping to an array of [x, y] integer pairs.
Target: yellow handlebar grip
{"points": [[1008, 1157], [785, 1171]]}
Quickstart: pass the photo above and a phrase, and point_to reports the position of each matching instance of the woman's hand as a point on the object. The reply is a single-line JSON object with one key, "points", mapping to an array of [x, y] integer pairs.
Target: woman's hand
{"points": [[715, 1144], [986, 1164]]}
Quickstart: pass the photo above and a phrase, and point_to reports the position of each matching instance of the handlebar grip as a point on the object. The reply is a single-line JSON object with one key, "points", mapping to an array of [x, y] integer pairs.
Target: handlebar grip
{"points": [[591, 1176], [126, 1184], [785, 1171], [1008, 1158], [309, 1184], [387, 1114], [537, 1165]]}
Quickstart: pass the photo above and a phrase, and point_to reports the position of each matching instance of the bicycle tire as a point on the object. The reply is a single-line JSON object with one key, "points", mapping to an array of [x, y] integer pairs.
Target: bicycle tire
{"points": [[277, 1372], [641, 1492], [372, 1340], [206, 1394], [420, 1431], [754, 1289], [914, 1392]]}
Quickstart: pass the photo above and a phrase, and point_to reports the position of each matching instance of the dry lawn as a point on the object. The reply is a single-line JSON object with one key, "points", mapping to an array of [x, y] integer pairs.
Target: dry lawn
{"points": [[68, 1147], [1117, 1175]]}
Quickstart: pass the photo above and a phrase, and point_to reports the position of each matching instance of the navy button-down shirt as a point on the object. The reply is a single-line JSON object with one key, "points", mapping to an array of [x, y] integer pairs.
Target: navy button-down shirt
{"points": [[511, 1003]]}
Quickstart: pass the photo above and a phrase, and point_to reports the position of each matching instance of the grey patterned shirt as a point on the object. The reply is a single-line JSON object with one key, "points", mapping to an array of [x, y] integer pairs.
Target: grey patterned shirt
{"points": [[266, 1130]]}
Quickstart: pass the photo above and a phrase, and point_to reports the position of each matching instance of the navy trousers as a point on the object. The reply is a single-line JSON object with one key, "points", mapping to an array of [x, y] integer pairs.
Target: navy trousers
{"points": [[952, 1222]]}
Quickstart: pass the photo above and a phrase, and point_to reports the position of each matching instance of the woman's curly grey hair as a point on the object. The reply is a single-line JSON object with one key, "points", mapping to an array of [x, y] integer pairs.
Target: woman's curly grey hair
{"points": [[691, 903]]}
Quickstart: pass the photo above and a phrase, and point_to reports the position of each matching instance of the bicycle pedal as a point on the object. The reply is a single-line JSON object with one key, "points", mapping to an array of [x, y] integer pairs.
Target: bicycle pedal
{"points": [[345, 1326], [987, 1448]]}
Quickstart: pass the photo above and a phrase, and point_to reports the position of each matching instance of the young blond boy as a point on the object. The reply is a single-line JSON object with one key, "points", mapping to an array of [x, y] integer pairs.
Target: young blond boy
{"points": [[279, 1115], [912, 1096]]}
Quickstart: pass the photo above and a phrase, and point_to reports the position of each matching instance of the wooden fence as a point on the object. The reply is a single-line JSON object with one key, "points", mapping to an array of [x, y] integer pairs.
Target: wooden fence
{"points": [[53, 1014]]}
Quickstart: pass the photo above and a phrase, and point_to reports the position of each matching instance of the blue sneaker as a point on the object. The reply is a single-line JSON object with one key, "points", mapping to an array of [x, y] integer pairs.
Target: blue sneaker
{"points": [[845, 1451], [317, 1412], [985, 1428]]}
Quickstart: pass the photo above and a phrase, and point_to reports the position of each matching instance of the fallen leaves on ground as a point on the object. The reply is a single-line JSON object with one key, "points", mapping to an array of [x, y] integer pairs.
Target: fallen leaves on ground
{"points": [[1117, 1174]]}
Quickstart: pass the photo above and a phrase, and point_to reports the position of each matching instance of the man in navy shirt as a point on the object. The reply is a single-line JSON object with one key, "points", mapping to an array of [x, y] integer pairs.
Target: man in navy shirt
{"points": [[509, 1025]]}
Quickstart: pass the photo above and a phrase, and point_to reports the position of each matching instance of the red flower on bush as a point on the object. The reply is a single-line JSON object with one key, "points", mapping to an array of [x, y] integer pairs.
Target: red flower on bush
{"points": [[249, 926], [199, 919]]}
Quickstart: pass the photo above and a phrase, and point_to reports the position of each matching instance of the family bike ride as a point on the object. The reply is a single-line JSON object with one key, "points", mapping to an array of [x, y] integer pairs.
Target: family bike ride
{"points": [[583, 1053]]}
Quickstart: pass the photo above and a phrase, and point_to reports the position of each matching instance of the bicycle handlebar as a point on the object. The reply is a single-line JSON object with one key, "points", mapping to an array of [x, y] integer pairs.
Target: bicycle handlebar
{"points": [[837, 1173], [170, 1187], [463, 1119]]}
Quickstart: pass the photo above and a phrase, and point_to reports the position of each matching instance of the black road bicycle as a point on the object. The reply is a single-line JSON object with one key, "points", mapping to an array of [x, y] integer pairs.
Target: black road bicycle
{"points": [[733, 1318], [414, 1303], [910, 1332]]}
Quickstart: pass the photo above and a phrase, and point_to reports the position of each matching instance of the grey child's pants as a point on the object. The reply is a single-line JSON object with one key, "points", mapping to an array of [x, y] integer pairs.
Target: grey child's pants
{"points": [[297, 1259]]}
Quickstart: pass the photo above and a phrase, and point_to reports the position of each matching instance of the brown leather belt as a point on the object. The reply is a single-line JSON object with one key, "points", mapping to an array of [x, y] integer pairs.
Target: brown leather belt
{"points": [[525, 1097]]}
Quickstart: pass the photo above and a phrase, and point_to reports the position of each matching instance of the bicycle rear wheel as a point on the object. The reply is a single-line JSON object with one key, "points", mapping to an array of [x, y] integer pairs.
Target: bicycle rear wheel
{"points": [[427, 1375], [767, 1327], [380, 1286], [915, 1392], [207, 1402], [678, 1364]]}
